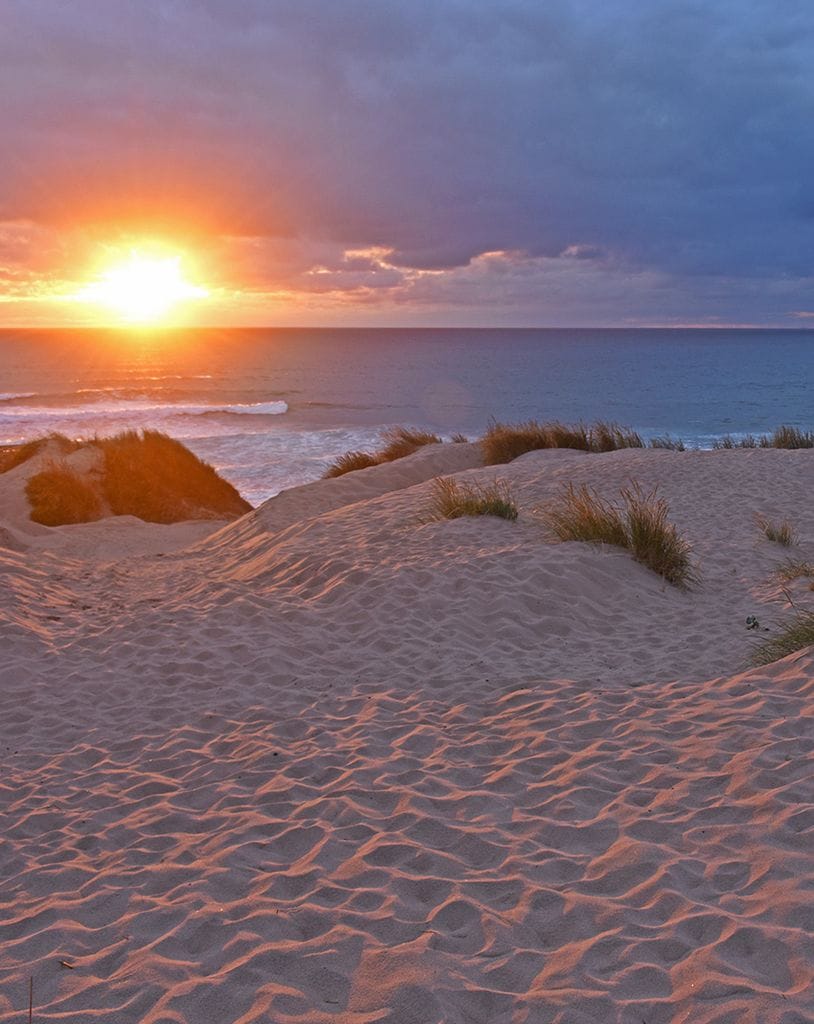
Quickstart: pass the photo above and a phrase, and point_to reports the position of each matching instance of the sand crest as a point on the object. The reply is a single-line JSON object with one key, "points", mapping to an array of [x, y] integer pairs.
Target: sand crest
{"points": [[338, 763]]}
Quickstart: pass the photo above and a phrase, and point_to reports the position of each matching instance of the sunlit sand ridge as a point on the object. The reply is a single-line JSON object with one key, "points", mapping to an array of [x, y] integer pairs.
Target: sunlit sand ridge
{"points": [[336, 762]]}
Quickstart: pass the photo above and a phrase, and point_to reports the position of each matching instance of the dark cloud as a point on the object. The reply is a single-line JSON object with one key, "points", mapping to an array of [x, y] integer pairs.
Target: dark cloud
{"points": [[667, 138]]}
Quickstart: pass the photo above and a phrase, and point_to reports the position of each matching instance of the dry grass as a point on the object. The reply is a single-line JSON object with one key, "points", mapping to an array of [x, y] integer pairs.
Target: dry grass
{"points": [[452, 500], [783, 437], [781, 533], [794, 636], [148, 475], [13, 455], [789, 437], [580, 514], [610, 437], [401, 441], [398, 442], [793, 569], [154, 477], [727, 441], [639, 525], [459, 439], [672, 444], [348, 463], [59, 496], [504, 442], [653, 540]]}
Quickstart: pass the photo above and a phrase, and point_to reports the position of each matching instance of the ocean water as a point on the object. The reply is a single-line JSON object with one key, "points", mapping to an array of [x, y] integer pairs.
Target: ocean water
{"points": [[270, 408]]}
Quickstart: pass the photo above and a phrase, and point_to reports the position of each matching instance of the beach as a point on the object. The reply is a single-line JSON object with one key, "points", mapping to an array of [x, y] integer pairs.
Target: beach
{"points": [[334, 761]]}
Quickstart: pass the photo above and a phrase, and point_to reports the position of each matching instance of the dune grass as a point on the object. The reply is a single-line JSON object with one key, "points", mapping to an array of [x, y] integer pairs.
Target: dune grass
{"points": [[789, 437], [156, 478], [348, 463], [453, 500], [782, 437], [402, 441], [504, 442], [581, 514], [398, 442], [729, 442], [13, 455], [673, 444], [793, 569], [58, 496], [794, 636], [781, 533], [639, 525], [148, 475]]}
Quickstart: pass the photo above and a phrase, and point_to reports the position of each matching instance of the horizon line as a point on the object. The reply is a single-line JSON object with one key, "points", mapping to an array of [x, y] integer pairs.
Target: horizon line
{"points": [[163, 328]]}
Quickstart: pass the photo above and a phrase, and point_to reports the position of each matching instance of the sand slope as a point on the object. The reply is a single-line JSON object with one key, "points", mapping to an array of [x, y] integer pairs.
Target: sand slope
{"points": [[341, 764]]}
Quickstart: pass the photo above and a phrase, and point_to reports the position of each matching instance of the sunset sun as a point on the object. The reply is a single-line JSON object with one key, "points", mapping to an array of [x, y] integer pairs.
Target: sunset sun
{"points": [[142, 289]]}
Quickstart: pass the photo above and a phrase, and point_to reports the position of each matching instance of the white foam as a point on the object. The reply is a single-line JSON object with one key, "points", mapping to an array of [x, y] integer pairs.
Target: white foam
{"points": [[11, 396], [124, 407]]}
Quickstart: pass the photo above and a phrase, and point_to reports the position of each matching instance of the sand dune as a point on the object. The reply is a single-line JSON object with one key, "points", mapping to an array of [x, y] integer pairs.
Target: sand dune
{"points": [[338, 763]]}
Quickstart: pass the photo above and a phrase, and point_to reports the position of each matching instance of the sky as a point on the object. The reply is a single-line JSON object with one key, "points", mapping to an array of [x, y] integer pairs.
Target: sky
{"points": [[450, 162]]}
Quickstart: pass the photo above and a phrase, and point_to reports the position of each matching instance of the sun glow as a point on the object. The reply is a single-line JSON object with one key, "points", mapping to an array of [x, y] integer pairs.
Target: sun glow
{"points": [[142, 290]]}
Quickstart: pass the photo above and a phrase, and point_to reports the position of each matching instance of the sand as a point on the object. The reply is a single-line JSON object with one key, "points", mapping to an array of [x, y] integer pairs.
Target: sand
{"points": [[333, 762]]}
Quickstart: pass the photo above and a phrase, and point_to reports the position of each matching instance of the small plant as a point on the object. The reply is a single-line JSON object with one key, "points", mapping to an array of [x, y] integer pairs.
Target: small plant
{"points": [[794, 636], [58, 496], [452, 500], [782, 437], [781, 533], [459, 439], [639, 525], [610, 437], [729, 442], [505, 442], [653, 540], [348, 463], [401, 441], [398, 442], [673, 444], [793, 569], [789, 437], [581, 514]]}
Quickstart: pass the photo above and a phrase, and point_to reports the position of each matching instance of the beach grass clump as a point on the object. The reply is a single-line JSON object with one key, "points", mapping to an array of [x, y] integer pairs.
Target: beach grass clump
{"points": [[581, 514], [156, 478], [59, 496], [610, 437], [653, 540], [639, 524], [459, 439], [783, 437], [794, 636], [672, 444], [780, 533], [402, 441], [348, 463], [398, 443], [14, 455], [789, 437], [794, 569], [504, 442], [453, 500], [728, 442]]}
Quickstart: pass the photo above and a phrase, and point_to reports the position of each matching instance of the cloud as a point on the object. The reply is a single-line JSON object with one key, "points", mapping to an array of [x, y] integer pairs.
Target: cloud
{"points": [[672, 140]]}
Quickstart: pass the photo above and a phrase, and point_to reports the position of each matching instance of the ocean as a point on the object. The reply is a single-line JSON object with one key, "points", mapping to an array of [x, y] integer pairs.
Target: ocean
{"points": [[270, 408]]}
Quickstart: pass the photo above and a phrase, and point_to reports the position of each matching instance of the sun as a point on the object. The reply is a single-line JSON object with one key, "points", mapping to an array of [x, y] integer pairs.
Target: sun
{"points": [[142, 289]]}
